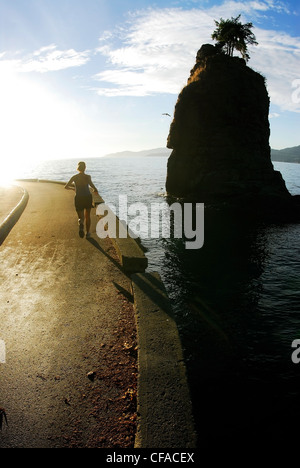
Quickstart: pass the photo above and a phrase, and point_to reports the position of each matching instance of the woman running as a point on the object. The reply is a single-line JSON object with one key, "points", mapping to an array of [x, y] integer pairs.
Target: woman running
{"points": [[83, 198]]}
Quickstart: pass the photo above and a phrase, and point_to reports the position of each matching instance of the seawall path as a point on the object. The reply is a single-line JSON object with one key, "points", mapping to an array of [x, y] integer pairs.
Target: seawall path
{"points": [[90, 354], [64, 313]]}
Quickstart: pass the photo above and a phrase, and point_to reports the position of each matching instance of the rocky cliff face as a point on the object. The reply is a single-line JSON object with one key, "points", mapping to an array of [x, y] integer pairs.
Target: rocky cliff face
{"points": [[220, 134]]}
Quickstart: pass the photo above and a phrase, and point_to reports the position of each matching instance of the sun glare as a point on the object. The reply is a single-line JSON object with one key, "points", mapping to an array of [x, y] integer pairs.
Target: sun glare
{"points": [[11, 169], [35, 124]]}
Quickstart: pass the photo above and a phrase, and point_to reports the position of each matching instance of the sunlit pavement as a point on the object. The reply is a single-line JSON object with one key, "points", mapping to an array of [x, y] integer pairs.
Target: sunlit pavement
{"points": [[59, 307]]}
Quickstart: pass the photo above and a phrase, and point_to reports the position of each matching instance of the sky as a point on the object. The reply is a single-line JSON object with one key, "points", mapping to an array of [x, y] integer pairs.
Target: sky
{"points": [[82, 79]]}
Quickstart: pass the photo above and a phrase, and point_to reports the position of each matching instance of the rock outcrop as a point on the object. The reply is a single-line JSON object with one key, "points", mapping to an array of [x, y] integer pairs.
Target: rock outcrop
{"points": [[220, 135]]}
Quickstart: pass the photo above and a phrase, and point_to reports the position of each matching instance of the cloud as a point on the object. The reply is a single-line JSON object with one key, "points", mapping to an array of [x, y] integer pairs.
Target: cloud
{"points": [[50, 59], [277, 58], [155, 49], [46, 59]]}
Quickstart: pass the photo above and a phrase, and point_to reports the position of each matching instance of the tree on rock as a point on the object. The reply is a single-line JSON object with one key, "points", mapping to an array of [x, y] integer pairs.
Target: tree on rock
{"points": [[232, 34]]}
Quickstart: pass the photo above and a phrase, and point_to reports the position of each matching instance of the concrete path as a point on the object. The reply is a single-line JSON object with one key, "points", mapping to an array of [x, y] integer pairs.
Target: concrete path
{"points": [[62, 303]]}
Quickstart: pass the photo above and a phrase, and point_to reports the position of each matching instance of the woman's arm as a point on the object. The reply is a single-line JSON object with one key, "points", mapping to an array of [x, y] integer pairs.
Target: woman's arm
{"points": [[92, 185], [68, 185]]}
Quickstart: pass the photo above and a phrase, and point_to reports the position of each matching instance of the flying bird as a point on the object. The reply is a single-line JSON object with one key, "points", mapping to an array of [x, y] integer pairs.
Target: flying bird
{"points": [[166, 114]]}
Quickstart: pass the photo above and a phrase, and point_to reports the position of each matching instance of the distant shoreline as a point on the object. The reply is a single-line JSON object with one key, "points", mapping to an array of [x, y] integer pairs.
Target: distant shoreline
{"points": [[291, 155], [287, 162], [144, 153]]}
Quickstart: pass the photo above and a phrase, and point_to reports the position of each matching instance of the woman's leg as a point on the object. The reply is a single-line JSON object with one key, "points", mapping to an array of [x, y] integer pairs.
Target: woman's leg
{"points": [[80, 216], [81, 222]]}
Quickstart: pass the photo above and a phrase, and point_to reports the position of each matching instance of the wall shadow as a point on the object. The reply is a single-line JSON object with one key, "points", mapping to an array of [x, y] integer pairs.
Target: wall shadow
{"points": [[112, 260]]}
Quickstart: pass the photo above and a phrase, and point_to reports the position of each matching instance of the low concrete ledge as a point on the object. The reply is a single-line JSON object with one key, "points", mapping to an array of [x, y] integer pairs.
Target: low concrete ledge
{"points": [[9, 222], [130, 253], [165, 417]]}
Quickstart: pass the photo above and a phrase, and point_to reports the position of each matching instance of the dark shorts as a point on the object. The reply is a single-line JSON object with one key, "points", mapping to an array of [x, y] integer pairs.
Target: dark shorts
{"points": [[83, 202]]}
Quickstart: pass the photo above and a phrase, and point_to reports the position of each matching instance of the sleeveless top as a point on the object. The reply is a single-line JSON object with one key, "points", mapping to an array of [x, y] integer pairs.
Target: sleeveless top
{"points": [[82, 185]]}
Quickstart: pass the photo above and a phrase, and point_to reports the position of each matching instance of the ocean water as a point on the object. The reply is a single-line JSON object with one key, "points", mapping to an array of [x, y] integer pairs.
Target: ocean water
{"points": [[236, 302]]}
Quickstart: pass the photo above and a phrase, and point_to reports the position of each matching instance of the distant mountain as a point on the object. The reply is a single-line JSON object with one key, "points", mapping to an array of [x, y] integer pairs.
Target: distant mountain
{"points": [[291, 155], [285, 155], [141, 154]]}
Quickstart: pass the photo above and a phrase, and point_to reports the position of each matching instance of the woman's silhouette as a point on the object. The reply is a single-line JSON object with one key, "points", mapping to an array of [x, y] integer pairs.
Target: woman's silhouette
{"points": [[83, 198]]}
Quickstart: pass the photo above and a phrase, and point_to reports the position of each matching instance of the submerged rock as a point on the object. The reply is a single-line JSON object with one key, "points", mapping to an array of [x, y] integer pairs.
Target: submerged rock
{"points": [[220, 136]]}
